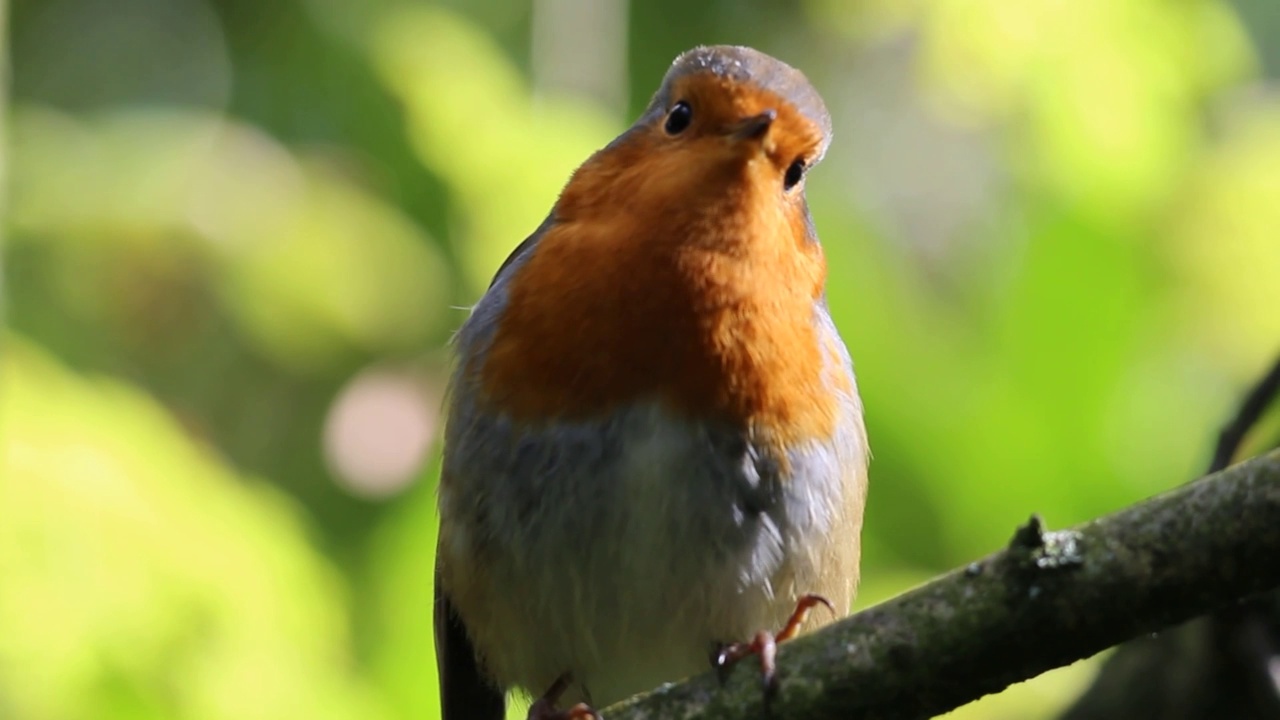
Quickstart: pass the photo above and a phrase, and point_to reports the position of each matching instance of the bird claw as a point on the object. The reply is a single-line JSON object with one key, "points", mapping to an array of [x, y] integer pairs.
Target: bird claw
{"points": [[765, 646], [544, 708]]}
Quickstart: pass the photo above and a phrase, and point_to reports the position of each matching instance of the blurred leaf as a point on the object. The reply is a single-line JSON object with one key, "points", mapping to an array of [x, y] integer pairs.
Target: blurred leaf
{"points": [[141, 578], [402, 583], [1104, 90], [1223, 242], [474, 122], [308, 263], [1036, 698]]}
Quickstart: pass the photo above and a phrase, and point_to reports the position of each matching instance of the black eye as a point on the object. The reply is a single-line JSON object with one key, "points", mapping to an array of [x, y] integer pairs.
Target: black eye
{"points": [[679, 118], [794, 174]]}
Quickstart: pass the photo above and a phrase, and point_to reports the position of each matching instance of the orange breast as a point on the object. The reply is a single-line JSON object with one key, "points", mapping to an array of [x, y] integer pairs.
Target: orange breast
{"points": [[710, 313]]}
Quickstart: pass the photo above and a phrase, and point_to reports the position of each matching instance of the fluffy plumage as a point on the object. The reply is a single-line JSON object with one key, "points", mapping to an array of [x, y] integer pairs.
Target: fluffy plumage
{"points": [[654, 439]]}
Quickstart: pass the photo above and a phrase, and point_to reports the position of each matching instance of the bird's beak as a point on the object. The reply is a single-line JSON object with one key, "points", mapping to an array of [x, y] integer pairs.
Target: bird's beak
{"points": [[754, 127]]}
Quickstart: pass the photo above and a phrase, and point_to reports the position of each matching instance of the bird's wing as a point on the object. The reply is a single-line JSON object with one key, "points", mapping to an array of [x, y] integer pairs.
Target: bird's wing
{"points": [[522, 249], [465, 693]]}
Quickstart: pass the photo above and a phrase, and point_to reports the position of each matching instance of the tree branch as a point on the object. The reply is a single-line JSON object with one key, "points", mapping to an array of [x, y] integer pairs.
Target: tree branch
{"points": [[1216, 665], [1047, 600]]}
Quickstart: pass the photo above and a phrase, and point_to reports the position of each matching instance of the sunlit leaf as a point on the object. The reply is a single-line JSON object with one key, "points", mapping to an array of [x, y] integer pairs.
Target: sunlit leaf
{"points": [[307, 262], [144, 578], [473, 121]]}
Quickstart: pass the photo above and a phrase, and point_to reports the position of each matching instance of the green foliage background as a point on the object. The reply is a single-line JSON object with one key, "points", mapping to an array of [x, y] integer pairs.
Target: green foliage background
{"points": [[239, 234]]}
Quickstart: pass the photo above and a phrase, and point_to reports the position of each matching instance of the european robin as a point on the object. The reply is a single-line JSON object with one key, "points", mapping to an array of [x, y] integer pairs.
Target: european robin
{"points": [[654, 442]]}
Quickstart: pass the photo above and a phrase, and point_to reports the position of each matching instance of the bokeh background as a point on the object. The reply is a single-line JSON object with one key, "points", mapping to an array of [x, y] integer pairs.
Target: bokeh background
{"points": [[240, 233]]}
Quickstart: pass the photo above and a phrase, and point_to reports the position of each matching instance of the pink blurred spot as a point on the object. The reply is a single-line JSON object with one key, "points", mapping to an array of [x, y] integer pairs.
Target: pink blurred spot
{"points": [[379, 431]]}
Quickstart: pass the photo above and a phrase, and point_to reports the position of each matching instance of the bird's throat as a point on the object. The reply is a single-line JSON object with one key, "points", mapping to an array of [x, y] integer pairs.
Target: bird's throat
{"points": [[719, 328]]}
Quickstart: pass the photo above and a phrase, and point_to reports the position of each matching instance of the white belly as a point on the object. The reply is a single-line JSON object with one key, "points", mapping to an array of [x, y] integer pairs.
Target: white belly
{"points": [[621, 551]]}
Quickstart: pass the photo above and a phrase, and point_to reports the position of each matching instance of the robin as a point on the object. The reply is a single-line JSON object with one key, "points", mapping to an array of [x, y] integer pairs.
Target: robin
{"points": [[654, 442]]}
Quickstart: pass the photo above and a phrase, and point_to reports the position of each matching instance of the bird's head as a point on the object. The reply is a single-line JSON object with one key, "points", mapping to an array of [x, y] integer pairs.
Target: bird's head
{"points": [[727, 123]]}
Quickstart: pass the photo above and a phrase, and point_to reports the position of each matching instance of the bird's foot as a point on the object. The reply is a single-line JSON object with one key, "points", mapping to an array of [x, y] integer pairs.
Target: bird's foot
{"points": [[544, 708], [765, 645]]}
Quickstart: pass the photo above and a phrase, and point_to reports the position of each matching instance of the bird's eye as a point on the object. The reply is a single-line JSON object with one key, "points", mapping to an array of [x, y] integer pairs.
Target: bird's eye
{"points": [[679, 118], [794, 174]]}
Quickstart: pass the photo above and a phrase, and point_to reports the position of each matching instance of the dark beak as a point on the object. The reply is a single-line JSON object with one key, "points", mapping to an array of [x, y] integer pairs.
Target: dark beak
{"points": [[754, 127]]}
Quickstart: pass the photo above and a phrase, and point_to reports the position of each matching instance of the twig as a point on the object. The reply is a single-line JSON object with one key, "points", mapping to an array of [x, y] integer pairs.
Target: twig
{"points": [[1247, 416]]}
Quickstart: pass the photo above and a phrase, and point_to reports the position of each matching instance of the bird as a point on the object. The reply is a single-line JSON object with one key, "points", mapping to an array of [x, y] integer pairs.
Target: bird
{"points": [[654, 446]]}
